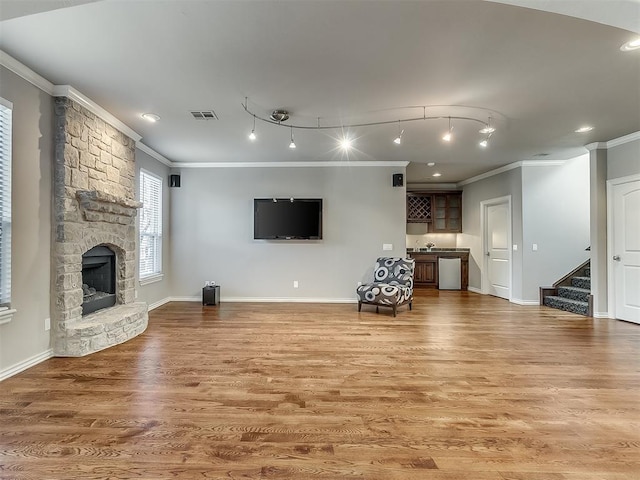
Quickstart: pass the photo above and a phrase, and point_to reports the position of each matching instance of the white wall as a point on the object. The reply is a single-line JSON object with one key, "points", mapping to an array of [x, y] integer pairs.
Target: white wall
{"points": [[623, 160], [555, 212], [550, 207], [212, 231], [158, 292], [508, 183], [24, 339]]}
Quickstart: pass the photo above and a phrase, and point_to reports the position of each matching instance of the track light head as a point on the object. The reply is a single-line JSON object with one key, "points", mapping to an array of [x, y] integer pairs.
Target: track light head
{"points": [[345, 143], [292, 145], [449, 135], [398, 139]]}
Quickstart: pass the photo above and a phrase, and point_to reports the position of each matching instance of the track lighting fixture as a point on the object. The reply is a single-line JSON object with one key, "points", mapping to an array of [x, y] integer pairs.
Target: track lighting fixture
{"points": [[292, 145], [398, 139], [279, 116], [449, 135], [252, 135], [488, 128]]}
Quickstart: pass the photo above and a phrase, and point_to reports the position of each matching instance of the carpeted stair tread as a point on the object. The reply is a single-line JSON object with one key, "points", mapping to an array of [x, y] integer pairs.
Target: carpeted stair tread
{"points": [[581, 282], [574, 293], [568, 305], [587, 272]]}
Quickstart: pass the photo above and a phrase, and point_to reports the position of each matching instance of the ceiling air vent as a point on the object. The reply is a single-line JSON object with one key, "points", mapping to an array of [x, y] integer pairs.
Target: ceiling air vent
{"points": [[204, 115]]}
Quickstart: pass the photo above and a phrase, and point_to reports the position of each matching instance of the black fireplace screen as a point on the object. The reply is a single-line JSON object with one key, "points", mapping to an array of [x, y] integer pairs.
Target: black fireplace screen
{"points": [[98, 279]]}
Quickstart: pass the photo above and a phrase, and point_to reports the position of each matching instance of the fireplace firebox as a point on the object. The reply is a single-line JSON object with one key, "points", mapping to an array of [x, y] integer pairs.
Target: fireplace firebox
{"points": [[98, 279]]}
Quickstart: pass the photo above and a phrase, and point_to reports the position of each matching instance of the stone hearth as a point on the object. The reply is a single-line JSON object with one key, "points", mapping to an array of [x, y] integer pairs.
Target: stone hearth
{"points": [[94, 205]]}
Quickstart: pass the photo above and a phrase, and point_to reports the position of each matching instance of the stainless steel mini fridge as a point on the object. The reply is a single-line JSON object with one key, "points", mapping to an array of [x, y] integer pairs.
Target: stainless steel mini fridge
{"points": [[449, 273]]}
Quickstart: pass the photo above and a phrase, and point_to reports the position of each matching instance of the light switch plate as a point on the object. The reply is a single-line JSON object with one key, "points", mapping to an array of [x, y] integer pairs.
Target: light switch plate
{"points": [[387, 246], [515, 247]]}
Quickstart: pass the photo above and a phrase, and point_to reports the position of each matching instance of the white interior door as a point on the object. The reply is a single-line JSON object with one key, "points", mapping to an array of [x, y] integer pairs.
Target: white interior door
{"points": [[625, 261], [497, 253]]}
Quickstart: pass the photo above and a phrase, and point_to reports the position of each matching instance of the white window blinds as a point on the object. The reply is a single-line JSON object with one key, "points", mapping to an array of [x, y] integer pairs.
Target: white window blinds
{"points": [[5, 204], [150, 225]]}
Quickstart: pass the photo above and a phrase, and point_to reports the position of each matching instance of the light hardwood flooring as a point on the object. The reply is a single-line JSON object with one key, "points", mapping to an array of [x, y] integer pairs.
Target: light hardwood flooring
{"points": [[463, 387]]}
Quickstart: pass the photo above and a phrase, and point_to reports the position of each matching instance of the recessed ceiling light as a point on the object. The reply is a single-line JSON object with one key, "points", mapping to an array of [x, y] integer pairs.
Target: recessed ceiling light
{"points": [[430, 164], [437, 174], [151, 117], [632, 45], [584, 129]]}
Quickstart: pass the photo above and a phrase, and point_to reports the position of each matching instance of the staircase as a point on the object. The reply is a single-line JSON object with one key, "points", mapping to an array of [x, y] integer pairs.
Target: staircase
{"points": [[572, 293]]}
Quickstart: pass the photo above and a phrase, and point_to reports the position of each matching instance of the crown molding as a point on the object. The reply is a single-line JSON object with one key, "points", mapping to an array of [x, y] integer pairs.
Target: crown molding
{"points": [[596, 146], [152, 153], [46, 86], [490, 173], [411, 187], [511, 166], [93, 107], [25, 72], [287, 164], [542, 163], [622, 140]]}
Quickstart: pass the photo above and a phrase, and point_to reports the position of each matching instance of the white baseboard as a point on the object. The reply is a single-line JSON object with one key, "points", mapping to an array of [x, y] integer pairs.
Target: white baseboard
{"points": [[159, 303], [289, 300], [23, 365], [475, 290], [518, 301], [601, 315], [267, 300], [185, 299]]}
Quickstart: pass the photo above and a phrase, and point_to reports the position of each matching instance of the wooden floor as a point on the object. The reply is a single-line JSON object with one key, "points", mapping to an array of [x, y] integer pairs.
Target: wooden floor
{"points": [[463, 387]]}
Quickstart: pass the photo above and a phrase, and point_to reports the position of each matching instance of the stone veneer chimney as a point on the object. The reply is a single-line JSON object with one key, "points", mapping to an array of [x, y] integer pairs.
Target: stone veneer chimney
{"points": [[94, 204]]}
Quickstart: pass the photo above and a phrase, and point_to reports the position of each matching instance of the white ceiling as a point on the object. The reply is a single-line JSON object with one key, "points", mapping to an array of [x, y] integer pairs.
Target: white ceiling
{"points": [[541, 74]]}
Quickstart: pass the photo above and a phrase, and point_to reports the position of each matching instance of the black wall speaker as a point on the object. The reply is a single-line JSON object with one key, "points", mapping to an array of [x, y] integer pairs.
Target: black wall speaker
{"points": [[174, 180], [398, 179]]}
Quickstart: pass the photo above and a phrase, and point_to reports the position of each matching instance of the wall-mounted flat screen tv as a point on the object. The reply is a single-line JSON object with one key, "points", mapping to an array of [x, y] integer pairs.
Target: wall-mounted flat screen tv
{"points": [[287, 218]]}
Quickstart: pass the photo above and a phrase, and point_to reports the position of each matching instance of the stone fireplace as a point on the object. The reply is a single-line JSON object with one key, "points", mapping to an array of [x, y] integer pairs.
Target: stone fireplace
{"points": [[94, 242]]}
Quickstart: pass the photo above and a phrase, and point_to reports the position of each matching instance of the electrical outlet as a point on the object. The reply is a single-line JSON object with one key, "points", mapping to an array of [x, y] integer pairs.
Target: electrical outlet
{"points": [[295, 284], [387, 246], [47, 324], [534, 247], [515, 247]]}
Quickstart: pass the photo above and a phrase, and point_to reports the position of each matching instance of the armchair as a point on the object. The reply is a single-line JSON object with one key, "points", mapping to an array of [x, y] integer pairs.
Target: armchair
{"points": [[392, 285]]}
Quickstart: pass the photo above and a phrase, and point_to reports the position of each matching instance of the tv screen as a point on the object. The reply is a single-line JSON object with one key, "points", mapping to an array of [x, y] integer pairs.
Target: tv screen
{"points": [[287, 218]]}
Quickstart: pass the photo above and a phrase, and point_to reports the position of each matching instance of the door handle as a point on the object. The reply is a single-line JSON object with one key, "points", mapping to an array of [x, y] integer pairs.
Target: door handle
{"points": [[488, 254], [616, 258]]}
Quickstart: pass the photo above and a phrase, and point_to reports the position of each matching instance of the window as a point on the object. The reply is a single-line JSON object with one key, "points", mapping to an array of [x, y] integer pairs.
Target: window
{"points": [[5, 211], [150, 267]]}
